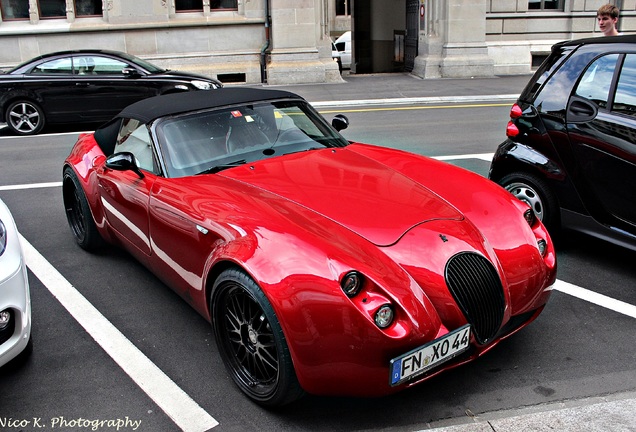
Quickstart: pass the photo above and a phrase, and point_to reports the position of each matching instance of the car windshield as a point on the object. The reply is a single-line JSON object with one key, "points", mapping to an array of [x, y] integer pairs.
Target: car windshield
{"points": [[210, 141]]}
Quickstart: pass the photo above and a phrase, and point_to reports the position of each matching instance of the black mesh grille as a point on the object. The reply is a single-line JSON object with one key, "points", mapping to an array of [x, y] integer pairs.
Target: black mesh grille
{"points": [[475, 286]]}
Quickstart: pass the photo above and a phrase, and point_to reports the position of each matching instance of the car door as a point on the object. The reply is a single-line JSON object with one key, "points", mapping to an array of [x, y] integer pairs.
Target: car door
{"points": [[106, 88], [601, 124], [59, 88], [125, 194]]}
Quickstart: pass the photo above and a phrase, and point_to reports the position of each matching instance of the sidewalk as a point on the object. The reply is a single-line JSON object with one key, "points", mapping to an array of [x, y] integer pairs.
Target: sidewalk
{"points": [[404, 85], [610, 413]]}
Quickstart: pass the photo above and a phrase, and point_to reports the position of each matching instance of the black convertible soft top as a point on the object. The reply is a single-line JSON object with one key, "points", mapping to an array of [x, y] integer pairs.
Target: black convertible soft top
{"points": [[152, 108], [147, 110]]}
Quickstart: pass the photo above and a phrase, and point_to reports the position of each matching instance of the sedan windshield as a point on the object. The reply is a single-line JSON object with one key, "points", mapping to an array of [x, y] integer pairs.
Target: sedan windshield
{"points": [[210, 141]]}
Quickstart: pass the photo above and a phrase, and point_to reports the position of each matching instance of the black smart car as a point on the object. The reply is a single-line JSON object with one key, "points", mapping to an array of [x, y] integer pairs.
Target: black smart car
{"points": [[571, 147], [84, 86]]}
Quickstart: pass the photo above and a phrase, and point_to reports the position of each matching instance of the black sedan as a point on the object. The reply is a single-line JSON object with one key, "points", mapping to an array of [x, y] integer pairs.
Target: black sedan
{"points": [[571, 147], [84, 86]]}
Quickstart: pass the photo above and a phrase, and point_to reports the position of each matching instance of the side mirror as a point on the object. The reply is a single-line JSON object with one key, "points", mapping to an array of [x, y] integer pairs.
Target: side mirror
{"points": [[340, 122], [130, 72], [124, 161]]}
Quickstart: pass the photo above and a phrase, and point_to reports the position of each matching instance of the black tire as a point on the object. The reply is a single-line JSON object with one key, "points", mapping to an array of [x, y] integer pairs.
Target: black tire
{"points": [[251, 341], [78, 213], [537, 194], [24, 117]]}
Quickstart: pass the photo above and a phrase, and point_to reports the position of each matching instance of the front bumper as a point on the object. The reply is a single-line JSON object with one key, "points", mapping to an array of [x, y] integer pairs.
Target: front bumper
{"points": [[15, 299]]}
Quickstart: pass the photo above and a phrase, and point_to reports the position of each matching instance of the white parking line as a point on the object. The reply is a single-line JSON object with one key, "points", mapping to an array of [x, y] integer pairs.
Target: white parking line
{"points": [[30, 186], [184, 411], [596, 298], [483, 156]]}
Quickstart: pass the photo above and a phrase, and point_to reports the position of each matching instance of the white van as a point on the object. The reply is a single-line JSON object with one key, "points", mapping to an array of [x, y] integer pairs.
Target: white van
{"points": [[343, 44]]}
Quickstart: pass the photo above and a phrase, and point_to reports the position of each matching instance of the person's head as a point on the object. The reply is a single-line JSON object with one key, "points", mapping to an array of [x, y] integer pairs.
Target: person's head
{"points": [[607, 17]]}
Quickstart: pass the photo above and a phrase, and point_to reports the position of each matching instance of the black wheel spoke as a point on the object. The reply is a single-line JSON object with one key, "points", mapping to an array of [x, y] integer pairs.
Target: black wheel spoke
{"points": [[251, 342], [250, 339]]}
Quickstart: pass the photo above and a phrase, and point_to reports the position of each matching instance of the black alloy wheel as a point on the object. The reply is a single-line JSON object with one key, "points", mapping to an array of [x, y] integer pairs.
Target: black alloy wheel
{"points": [[78, 213], [251, 341], [24, 117]]}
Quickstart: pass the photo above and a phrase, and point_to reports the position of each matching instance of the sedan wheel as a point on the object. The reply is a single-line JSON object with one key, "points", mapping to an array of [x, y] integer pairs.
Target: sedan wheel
{"points": [[536, 194], [251, 341], [25, 118]]}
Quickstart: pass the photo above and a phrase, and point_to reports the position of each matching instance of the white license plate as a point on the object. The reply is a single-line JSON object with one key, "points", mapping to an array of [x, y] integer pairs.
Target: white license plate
{"points": [[428, 356]]}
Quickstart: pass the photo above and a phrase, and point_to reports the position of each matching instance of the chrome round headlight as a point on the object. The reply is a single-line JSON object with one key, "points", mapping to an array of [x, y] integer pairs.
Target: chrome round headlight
{"points": [[351, 283], [384, 316]]}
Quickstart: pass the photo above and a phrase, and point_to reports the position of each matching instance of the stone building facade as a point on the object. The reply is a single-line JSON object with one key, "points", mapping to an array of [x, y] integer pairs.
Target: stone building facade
{"points": [[289, 41]]}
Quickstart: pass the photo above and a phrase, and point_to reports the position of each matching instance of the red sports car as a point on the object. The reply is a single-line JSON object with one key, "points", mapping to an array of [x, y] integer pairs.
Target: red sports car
{"points": [[324, 266]]}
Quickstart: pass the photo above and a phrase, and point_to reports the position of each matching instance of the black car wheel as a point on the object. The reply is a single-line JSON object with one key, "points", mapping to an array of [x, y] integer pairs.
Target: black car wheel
{"points": [[24, 117], [78, 213], [537, 194], [251, 341]]}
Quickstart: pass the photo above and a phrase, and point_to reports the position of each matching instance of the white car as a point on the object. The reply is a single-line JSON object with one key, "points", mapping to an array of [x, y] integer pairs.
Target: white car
{"points": [[343, 44], [15, 298], [335, 55]]}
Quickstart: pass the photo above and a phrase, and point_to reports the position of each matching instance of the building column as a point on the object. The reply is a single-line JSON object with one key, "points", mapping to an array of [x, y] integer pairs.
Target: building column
{"points": [[453, 40], [299, 52]]}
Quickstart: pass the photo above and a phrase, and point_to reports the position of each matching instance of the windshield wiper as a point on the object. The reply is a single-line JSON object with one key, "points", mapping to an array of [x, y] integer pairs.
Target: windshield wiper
{"points": [[221, 167]]}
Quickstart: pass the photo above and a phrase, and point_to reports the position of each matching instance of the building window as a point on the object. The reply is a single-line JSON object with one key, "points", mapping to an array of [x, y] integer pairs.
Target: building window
{"points": [[19, 9], [52, 8], [197, 5], [188, 5], [343, 7], [545, 5], [14, 9], [88, 8], [223, 4]]}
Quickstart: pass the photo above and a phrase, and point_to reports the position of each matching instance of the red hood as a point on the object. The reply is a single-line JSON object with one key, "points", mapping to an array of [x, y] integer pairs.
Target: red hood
{"points": [[360, 193]]}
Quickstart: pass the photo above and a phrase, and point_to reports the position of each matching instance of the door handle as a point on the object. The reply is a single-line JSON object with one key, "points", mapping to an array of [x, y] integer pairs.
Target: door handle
{"points": [[580, 110]]}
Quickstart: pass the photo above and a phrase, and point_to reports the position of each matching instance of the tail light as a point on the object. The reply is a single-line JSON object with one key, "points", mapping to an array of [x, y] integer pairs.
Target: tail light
{"points": [[515, 112], [512, 130]]}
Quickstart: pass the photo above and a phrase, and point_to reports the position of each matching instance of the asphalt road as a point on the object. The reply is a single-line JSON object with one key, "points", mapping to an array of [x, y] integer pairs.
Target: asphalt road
{"points": [[577, 348]]}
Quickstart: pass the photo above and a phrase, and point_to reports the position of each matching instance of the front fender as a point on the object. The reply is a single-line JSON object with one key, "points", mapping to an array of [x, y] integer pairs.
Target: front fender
{"points": [[333, 340], [83, 158]]}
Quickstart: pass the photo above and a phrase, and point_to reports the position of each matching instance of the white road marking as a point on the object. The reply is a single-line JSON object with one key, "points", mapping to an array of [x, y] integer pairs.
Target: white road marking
{"points": [[483, 156], [415, 100], [30, 186], [184, 411], [596, 298]]}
